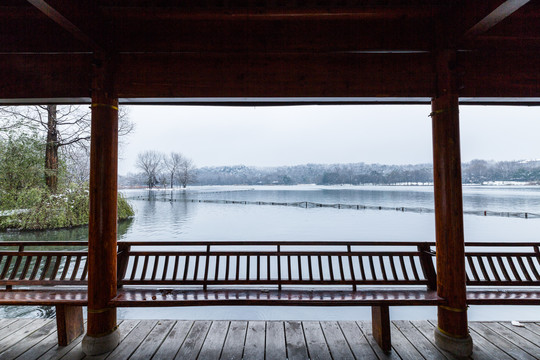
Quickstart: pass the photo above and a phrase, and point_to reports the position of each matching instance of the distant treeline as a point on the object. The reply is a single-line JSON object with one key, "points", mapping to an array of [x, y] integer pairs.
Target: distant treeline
{"points": [[474, 172]]}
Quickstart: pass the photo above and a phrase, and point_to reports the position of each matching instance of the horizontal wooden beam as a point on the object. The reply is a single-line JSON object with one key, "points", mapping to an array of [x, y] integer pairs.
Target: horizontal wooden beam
{"points": [[485, 74], [45, 76], [281, 36], [360, 11]]}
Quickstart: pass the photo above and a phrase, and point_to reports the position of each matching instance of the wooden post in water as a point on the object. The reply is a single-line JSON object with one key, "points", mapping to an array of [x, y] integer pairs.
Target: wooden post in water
{"points": [[452, 331], [102, 335]]}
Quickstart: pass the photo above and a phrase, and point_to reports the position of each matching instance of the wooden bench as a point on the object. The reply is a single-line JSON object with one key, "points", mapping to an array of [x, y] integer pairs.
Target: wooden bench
{"points": [[503, 273], [154, 274], [43, 273]]}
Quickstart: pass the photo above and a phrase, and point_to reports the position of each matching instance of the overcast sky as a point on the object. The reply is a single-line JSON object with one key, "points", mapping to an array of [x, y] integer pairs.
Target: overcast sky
{"points": [[272, 136]]}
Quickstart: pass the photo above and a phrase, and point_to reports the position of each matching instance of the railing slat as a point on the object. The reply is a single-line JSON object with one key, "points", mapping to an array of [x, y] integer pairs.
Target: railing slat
{"points": [[7, 263], [134, 269], [321, 275], [331, 268], [493, 268], [145, 266], [216, 277], [383, 268], [473, 268], [196, 270], [503, 269], [299, 259], [393, 268], [85, 269], [372, 268], [57, 261], [46, 267], [76, 268], [155, 269], [27, 262], [15, 269], [483, 268], [362, 270], [513, 268], [403, 268], [533, 268], [176, 267], [66, 268], [227, 267], [289, 269], [248, 261], [237, 272], [351, 268], [165, 268], [186, 268], [414, 269], [523, 268], [310, 268]]}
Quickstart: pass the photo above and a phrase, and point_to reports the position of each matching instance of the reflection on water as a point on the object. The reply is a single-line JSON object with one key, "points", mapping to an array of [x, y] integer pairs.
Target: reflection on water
{"points": [[164, 220]]}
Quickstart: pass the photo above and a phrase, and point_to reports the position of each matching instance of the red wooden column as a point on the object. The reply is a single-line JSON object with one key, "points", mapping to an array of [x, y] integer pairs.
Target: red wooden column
{"points": [[102, 334], [452, 332]]}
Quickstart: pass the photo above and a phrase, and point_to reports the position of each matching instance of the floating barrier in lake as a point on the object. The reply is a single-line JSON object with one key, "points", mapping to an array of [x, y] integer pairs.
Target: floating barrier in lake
{"points": [[312, 205]]}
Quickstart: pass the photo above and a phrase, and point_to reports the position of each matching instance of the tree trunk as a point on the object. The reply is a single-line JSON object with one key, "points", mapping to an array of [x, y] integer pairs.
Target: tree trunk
{"points": [[172, 178], [51, 150]]}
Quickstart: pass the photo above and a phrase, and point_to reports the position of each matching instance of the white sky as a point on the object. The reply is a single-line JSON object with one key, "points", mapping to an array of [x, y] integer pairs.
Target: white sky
{"points": [[272, 136]]}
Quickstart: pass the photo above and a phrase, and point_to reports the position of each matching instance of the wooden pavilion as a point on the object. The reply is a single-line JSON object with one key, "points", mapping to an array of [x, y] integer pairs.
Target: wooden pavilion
{"points": [[268, 52]]}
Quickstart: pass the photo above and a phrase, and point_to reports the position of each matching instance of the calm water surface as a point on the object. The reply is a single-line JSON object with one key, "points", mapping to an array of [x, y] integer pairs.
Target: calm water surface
{"points": [[160, 219]]}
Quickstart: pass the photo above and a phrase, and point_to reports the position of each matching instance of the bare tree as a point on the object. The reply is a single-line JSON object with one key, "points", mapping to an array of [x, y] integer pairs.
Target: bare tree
{"points": [[150, 163], [186, 173], [77, 165], [65, 126], [173, 163]]}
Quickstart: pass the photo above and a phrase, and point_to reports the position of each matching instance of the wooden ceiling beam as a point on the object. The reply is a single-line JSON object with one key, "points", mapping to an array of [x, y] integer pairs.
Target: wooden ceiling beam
{"points": [[457, 28], [276, 37], [271, 13], [80, 18], [503, 11], [483, 74]]}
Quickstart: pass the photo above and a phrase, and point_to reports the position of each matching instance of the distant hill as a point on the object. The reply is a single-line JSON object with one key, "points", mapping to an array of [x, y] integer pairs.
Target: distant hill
{"points": [[474, 172]]}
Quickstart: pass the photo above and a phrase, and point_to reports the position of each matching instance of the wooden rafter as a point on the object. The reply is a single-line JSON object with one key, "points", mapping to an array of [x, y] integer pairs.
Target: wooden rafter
{"points": [[79, 18], [496, 16]]}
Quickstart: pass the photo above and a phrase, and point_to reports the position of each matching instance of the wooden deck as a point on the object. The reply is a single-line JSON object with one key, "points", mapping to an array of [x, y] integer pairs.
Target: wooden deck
{"points": [[165, 339]]}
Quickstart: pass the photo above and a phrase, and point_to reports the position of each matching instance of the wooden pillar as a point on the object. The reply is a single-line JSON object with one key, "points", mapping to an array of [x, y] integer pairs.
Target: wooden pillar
{"points": [[452, 332], [101, 332]]}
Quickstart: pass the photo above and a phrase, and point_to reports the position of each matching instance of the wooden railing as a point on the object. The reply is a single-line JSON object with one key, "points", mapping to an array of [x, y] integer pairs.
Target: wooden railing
{"points": [[269, 263]]}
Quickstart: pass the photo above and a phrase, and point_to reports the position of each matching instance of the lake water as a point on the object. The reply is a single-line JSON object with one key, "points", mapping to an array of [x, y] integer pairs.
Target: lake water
{"points": [[164, 215]]}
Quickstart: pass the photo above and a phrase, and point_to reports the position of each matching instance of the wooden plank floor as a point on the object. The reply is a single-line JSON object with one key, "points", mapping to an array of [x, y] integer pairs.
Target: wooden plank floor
{"points": [[165, 339]]}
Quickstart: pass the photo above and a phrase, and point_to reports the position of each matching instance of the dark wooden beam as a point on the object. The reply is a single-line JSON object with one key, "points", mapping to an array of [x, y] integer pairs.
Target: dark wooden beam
{"points": [[278, 36], [316, 11], [504, 10], [487, 74], [79, 18], [275, 75]]}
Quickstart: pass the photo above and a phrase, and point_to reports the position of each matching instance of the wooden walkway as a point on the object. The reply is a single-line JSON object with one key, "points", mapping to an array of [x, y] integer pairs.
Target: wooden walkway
{"points": [[164, 339]]}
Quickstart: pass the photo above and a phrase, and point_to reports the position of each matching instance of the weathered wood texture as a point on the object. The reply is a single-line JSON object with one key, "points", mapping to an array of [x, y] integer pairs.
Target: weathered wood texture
{"points": [[102, 227], [380, 321], [200, 266], [267, 49], [451, 275], [69, 323], [34, 338]]}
